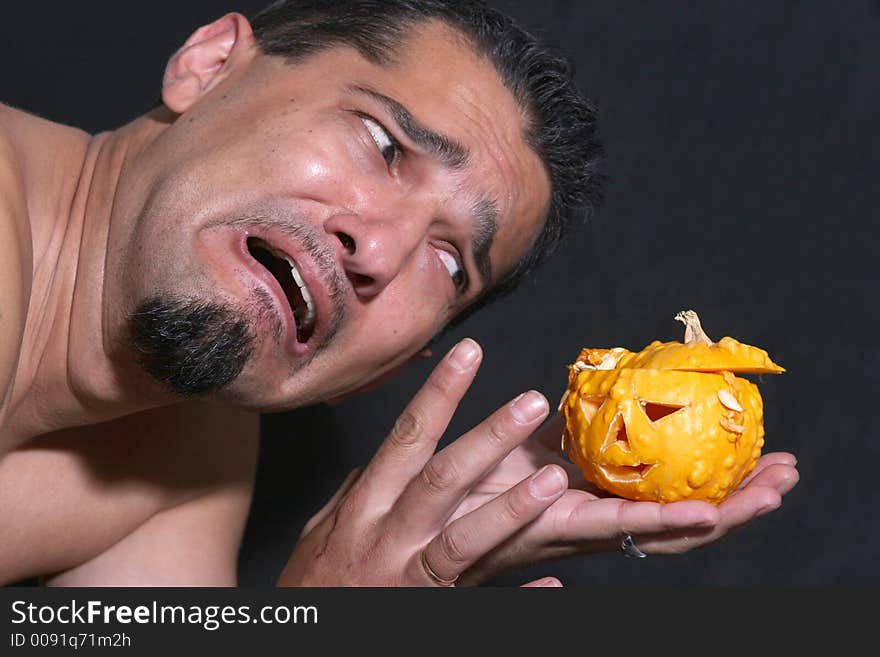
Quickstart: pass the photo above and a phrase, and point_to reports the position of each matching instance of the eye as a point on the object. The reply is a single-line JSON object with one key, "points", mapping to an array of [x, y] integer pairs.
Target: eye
{"points": [[456, 271], [387, 145]]}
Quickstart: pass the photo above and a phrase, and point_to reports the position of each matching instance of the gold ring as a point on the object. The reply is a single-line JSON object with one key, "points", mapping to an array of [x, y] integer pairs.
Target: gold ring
{"points": [[440, 581]]}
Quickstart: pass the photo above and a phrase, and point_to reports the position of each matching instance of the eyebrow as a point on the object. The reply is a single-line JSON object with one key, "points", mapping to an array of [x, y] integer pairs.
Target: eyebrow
{"points": [[455, 156], [449, 152]]}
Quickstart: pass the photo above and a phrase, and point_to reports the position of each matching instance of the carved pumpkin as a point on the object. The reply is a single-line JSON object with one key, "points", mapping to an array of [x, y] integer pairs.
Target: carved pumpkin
{"points": [[670, 422]]}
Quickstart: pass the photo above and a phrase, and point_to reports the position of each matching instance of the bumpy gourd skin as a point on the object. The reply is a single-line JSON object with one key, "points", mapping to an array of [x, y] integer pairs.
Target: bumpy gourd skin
{"points": [[663, 424]]}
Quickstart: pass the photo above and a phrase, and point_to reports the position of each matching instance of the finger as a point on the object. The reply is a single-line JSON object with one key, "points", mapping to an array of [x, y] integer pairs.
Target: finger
{"points": [[579, 523], [414, 437], [780, 457], [736, 511], [605, 521], [762, 493], [780, 476], [328, 508], [747, 504], [431, 497], [611, 518], [773, 458], [470, 537], [759, 497], [543, 582]]}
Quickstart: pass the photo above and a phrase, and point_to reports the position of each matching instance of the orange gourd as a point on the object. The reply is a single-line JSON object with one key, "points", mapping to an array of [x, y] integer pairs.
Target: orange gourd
{"points": [[670, 422]]}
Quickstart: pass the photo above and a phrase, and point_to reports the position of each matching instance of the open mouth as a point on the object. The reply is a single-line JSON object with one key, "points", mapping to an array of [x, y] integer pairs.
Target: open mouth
{"points": [[289, 277], [626, 472]]}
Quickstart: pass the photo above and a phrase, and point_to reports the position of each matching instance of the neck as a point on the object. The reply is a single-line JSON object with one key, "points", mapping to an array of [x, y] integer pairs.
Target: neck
{"points": [[65, 352]]}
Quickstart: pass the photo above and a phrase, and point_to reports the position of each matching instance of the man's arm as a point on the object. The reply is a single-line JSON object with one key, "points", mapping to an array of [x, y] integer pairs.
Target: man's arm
{"points": [[159, 497], [193, 544], [15, 269]]}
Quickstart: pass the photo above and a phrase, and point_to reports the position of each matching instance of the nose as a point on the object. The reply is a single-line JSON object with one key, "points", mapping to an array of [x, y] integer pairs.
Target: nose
{"points": [[374, 251]]}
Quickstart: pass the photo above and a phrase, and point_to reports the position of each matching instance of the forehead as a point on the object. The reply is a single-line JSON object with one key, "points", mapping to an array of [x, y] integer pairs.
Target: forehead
{"points": [[449, 88], [462, 94]]}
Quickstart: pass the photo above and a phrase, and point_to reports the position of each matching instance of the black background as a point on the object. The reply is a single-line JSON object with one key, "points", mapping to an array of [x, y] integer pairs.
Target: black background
{"points": [[742, 153]]}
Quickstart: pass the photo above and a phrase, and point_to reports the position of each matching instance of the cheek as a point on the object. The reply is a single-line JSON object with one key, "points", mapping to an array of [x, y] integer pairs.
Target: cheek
{"points": [[402, 314], [393, 326], [326, 164], [426, 293], [164, 261], [307, 168]]}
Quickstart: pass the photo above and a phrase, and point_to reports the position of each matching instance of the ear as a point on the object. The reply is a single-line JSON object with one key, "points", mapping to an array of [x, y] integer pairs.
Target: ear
{"points": [[204, 60], [372, 385]]}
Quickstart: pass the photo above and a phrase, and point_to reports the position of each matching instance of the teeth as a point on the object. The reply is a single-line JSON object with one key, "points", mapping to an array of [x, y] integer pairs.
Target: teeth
{"points": [[305, 318], [310, 306], [298, 279]]}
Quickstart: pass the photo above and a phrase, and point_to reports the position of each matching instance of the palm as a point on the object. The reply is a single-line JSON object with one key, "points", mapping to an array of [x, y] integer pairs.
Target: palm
{"points": [[541, 449], [585, 511]]}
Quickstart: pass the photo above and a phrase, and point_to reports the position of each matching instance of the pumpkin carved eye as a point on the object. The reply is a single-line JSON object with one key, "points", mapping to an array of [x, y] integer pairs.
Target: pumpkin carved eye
{"points": [[657, 412], [591, 404]]}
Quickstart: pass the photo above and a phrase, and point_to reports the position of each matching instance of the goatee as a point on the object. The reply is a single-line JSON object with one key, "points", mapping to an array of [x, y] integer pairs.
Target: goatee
{"points": [[191, 346]]}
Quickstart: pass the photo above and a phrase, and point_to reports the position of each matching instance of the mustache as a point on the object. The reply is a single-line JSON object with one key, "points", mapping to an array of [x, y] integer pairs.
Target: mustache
{"points": [[321, 253]]}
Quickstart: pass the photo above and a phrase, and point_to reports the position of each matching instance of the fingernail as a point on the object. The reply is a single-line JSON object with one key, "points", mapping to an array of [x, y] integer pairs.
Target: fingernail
{"points": [[464, 355], [546, 482], [528, 406], [549, 581]]}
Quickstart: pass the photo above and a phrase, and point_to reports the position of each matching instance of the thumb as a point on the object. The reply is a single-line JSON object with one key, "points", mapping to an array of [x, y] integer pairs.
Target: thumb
{"points": [[550, 582]]}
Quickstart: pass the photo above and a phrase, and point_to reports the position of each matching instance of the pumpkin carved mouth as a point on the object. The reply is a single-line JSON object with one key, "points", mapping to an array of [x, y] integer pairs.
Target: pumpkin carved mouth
{"points": [[618, 437], [625, 473]]}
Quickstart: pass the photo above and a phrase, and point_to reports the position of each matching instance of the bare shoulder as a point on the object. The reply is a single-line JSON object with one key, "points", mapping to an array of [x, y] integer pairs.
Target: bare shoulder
{"points": [[15, 259], [159, 496]]}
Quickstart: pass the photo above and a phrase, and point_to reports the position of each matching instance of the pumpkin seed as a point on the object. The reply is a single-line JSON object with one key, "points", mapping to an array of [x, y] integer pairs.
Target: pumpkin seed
{"points": [[732, 426], [729, 401]]}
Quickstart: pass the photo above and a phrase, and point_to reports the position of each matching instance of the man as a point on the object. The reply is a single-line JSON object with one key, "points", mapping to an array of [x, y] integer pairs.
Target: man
{"points": [[320, 193]]}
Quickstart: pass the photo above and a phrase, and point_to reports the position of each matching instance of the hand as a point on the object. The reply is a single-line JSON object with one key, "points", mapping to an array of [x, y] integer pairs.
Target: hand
{"points": [[392, 524], [586, 519]]}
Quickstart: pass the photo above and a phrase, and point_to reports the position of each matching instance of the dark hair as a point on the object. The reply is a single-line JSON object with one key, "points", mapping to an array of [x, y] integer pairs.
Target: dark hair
{"points": [[190, 346], [561, 122]]}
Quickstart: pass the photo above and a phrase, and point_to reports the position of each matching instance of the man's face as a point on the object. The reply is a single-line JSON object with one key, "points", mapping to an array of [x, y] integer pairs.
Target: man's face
{"points": [[399, 193]]}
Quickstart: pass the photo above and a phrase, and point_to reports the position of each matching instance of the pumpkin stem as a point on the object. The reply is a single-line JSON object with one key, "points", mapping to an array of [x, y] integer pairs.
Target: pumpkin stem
{"points": [[693, 332]]}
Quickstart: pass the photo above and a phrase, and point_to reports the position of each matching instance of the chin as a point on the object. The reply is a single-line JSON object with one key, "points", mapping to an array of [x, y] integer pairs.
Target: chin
{"points": [[261, 388]]}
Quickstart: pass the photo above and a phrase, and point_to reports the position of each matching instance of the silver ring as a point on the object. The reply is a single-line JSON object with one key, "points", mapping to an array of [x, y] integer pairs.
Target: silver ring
{"points": [[629, 548]]}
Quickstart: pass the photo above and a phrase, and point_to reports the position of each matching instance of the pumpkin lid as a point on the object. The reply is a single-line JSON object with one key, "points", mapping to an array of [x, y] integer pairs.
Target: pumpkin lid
{"points": [[696, 354], [727, 354]]}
